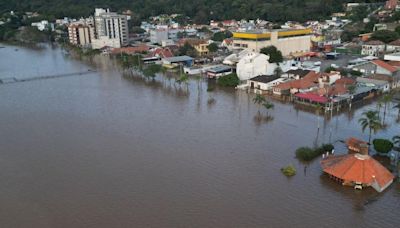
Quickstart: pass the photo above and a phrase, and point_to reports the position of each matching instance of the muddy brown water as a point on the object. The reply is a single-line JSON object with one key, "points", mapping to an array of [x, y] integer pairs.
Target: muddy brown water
{"points": [[106, 150]]}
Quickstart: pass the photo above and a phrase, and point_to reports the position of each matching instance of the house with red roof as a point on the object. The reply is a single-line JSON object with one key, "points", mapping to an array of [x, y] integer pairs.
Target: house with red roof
{"points": [[305, 84], [376, 67]]}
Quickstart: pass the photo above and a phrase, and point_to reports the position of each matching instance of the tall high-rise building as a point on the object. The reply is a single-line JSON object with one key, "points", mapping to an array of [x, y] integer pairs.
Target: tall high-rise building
{"points": [[111, 29]]}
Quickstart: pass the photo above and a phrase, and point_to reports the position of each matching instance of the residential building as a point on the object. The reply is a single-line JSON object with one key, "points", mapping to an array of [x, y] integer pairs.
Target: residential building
{"points": [[308, 83], [172, 62], [111, 29], [264, 83], [391, 4], [373, 48], [157, 36], [289, 41], [218, 71], [376, 67], [80, 34], [393, 46], [200, 45]]}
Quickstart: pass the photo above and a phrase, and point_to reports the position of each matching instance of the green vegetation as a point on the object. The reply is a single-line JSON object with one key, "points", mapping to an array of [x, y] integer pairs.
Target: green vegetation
{"points": [[151, 70], [220, 36], [230, 80], [289, 170], [201, 11], [128, 61], [268, 105], [187, 49], [382, 146], [275, 56], [385, 36], [213, 47], [308, 154], [329, 69], [371, 121], [258, 100]]}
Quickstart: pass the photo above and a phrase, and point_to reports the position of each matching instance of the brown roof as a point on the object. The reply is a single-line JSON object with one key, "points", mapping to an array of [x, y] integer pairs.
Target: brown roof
{"points": [[395, 43], [345, 81], [353, 168], [191, 41], [307, 81], [131, 50], [374, 42], [382, 77], [384, 65], [394, 63]]}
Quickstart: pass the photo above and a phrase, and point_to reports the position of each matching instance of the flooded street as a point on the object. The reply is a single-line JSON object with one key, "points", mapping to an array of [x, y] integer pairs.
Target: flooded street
{"points": [[104, 150]]}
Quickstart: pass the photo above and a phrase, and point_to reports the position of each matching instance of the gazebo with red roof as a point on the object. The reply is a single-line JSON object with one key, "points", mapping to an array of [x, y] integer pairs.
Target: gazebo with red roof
{"points": [[357, 170]]}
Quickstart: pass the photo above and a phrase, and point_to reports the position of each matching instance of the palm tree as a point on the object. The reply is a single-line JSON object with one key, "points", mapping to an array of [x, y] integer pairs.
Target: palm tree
{"points": [[386, 99], [378, 107], [259, 99], [371, 121], [352, 90], [318, 109], [268, 105]]}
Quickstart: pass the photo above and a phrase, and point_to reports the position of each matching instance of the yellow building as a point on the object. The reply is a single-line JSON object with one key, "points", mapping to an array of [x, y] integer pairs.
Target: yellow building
{"points": [[201, 48], [287, 41]]}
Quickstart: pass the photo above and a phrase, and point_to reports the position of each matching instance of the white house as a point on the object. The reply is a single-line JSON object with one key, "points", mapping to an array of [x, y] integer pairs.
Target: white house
{"points": [[373, 47], [251, 65]]}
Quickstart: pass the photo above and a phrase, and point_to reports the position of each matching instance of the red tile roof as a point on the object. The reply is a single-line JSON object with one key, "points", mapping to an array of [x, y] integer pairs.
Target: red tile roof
{"points": [[394, 63], [162, 52], [384, 65], [306, 82], [353, 168], [345, 81], [312, 97]]}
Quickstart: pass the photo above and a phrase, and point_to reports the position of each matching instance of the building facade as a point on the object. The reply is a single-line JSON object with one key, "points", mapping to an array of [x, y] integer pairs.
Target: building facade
{"points": [[81, 34], [287, 41], [111, 29], [373, 48]]}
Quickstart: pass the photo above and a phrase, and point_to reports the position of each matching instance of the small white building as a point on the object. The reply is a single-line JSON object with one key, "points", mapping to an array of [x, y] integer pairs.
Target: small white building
{"points": [[373, 48], [251, 65]]}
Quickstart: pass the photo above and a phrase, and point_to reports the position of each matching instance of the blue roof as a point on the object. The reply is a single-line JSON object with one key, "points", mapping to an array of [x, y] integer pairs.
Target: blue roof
{"points": [[182, 58]]}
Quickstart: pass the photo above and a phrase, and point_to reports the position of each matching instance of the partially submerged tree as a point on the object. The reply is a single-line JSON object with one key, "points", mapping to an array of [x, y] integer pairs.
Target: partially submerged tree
{"points": [[371, 121], [258, 100]]}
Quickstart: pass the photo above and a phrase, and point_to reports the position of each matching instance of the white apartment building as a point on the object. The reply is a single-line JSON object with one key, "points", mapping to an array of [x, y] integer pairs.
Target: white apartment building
{"points": [[111, 29]]}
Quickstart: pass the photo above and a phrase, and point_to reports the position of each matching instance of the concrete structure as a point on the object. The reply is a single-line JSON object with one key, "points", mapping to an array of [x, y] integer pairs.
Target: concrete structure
{"points": [[376, 67], [392, 57], [373, 48], [287, 41], [157, 36], [81, 34], [251, 65], [111, 29], [218, 71]]}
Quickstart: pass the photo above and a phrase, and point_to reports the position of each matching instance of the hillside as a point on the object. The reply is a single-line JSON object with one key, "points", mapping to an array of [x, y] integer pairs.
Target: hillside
{"points": [[200, 11]]}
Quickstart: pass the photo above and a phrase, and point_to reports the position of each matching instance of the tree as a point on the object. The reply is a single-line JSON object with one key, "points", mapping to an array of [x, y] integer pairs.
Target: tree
{"points": [[258, 100], [398, 109], [382, 146], [386, 99], [220, 36], [275, 56], [213, 47], [278, 72], [268, 105], [230, 80], [371, 121], [187, 49], [329, 69], [385, 36], [352, 90]]}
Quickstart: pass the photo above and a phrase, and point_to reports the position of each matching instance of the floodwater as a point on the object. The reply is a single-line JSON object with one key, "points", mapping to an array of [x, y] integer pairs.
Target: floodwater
{"points": [[106, 150]]}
